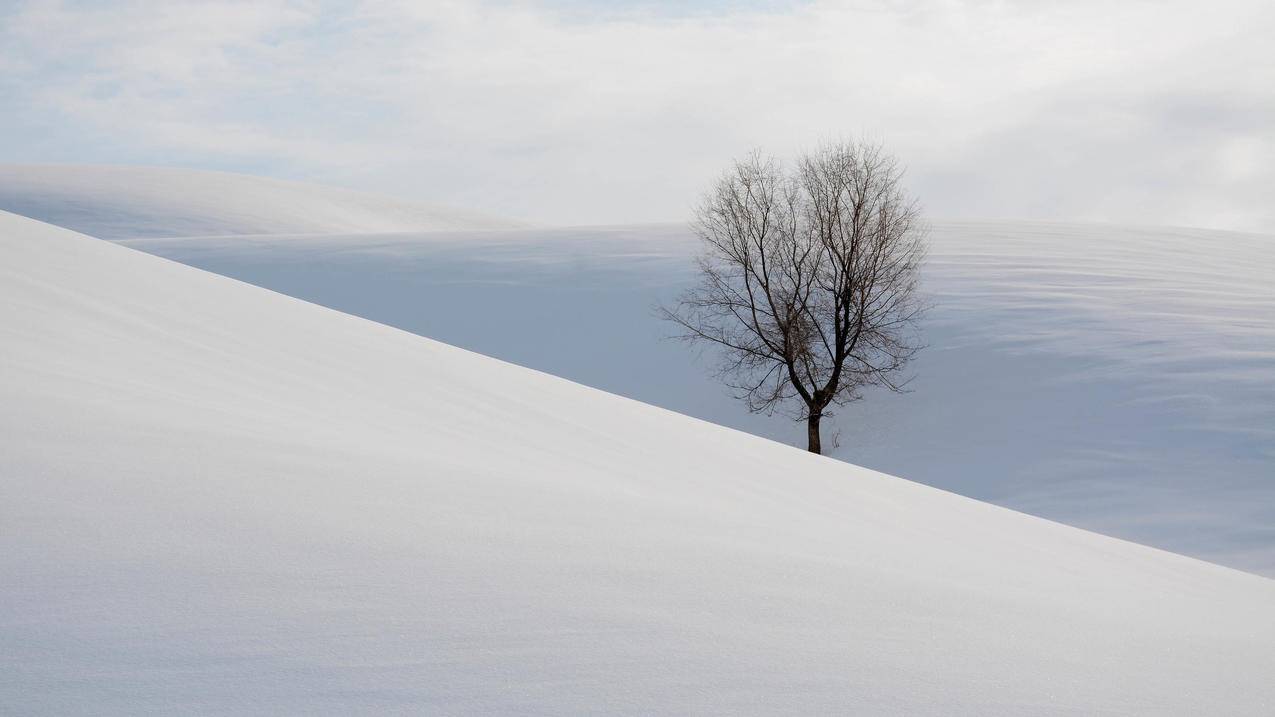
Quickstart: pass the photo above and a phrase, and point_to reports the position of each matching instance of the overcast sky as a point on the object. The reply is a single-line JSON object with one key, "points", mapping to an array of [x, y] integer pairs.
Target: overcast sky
{"points": [[593, 112]]}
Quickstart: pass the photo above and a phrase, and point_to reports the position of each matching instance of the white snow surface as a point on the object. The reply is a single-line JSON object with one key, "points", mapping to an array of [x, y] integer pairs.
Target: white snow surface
{"points": [[217, 499], [1114, 378], [119, 202]]}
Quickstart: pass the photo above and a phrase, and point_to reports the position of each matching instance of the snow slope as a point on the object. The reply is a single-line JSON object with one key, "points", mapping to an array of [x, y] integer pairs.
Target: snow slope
{"points": [[115, 202], [218, 499], [1114, 378]]}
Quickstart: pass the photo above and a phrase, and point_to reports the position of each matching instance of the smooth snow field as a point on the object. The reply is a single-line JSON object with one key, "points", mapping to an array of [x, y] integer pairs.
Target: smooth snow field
{"points": [[122, 201], [1118, 379], [219, 500]]}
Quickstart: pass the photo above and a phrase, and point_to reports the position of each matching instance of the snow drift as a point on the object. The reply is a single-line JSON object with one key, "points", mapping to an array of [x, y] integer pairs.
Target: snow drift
{"points": [[1114, 378], [116, 202], [220, 499]]}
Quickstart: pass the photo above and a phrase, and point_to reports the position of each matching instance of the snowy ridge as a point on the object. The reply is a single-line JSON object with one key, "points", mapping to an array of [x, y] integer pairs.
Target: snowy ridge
{"points": [[119, 202], [221, 499]]}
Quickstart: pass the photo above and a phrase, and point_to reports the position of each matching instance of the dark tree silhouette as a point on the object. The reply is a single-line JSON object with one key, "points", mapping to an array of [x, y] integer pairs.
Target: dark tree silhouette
{"points": [[808, 279]]}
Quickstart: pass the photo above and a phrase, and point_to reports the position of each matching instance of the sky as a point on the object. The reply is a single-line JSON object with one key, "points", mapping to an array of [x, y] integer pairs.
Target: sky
{"points": [[580, 112]]}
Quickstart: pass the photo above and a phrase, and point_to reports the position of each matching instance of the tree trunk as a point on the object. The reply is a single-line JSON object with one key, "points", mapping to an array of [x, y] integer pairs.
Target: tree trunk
{"points": [[812, 433]]}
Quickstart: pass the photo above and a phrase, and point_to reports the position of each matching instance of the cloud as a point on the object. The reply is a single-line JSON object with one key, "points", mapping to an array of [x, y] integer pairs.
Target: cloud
{"points": [[1144, 112]]}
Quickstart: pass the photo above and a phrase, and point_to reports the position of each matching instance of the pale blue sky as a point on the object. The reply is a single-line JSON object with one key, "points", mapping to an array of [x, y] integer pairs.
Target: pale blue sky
{"points": [[572, 112]]}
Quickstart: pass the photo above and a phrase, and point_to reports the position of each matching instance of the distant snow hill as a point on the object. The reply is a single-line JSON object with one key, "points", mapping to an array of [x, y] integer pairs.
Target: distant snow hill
{"points": [[119, 202], [219, 499]]}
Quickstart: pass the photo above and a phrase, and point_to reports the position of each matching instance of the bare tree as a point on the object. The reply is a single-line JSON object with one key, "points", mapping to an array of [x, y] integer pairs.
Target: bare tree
{"points": [[808, 279]]}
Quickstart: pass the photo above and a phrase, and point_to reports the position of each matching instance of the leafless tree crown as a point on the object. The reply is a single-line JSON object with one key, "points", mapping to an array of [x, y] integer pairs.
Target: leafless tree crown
{"points": [[808, 278]]}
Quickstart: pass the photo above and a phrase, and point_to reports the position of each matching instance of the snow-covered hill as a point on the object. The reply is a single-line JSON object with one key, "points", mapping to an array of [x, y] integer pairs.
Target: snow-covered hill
{"points": [[1114, 378], [218, 499], [116, 202]]}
